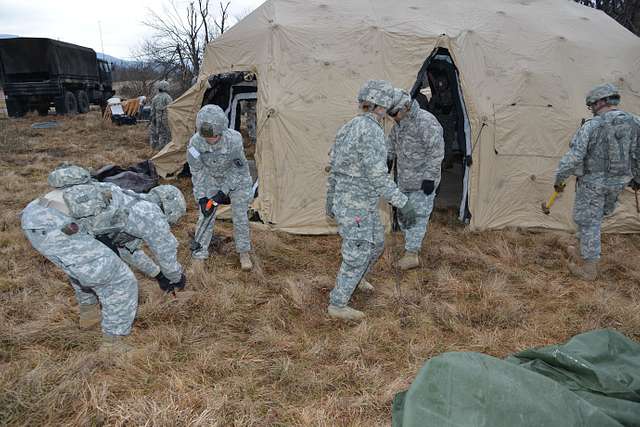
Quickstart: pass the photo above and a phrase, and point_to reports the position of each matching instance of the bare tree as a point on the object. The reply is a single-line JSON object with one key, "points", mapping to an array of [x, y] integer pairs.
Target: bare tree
{"points": [[137, 79], [626, 12], [181, 33]]}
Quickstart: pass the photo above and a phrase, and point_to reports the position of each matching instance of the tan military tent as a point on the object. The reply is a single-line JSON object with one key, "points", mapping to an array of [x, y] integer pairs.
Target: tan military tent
{"points": [[523, 68]]}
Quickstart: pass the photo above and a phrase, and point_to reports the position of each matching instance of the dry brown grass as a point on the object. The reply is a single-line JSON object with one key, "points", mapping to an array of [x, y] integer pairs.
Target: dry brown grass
{"points": [[258, 349]]}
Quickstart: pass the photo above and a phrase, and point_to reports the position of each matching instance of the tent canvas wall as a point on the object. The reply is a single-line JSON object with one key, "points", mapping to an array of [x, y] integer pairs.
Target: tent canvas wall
{"points": [[524, 68]]}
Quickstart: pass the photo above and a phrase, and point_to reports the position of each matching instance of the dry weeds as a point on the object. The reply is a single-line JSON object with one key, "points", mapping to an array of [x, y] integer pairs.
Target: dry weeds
{"points": [[258, 349]]}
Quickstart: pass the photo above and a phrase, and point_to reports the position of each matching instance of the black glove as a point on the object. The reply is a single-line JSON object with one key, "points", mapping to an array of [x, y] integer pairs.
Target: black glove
{"points": [[559, 187], [181, 283], [108, 242], [167, 286], [635, 186], [408, 214], [428, 186], [164, 283], [203, 206], [221, 198]]}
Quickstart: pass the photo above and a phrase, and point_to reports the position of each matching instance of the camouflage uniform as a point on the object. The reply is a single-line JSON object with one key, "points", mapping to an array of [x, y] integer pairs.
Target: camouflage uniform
{"points": [[221, 166], [95, 272], [143, 221], [603, 156], [357, 179], [159, 131], [417, 144]]}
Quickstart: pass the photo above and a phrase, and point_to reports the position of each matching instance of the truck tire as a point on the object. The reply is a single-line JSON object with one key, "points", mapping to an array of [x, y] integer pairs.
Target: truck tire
{"points": [[15, 107], [83, 102], [43, 109], [70, 103]]}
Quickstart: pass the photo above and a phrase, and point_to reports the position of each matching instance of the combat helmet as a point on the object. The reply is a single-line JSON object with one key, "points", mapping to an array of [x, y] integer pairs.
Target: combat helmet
{"points": [[162, 86], [211, 121], [67, 175], [378, 92], [171, 202], [400, 100], [603, 91]]}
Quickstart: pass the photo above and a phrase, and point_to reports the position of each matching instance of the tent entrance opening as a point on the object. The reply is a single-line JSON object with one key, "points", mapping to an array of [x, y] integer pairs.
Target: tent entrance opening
{"points": [[437, 90], [236, 93]]}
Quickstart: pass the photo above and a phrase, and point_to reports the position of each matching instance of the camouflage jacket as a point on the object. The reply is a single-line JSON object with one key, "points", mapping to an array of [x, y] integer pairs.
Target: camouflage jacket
{"points": [[48, 219], [218, 167], [590, 158], [129, 220], [358, 168], [417, 144], [159, 105]]}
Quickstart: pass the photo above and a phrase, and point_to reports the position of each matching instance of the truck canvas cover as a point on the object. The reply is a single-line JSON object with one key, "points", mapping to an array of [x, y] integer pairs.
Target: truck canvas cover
{"points": [[22, 57]]}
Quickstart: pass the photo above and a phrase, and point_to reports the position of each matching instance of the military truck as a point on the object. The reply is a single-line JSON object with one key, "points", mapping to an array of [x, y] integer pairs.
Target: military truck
{"points": [[37, 73]]}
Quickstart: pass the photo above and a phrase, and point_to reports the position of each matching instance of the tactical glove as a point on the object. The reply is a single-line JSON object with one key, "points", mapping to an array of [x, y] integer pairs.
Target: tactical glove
{"points": [[164, 283], [408, 214], [559, 186], [635, 186], [221, 198], [428, 186], [181, 283]]}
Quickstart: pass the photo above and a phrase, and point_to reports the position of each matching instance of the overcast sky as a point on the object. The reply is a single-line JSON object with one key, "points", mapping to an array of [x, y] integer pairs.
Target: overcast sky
{"points": [[76, 21]]}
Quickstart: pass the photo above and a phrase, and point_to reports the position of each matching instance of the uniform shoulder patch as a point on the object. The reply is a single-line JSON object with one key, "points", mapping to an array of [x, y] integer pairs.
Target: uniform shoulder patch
{"points": [[194, 153]]}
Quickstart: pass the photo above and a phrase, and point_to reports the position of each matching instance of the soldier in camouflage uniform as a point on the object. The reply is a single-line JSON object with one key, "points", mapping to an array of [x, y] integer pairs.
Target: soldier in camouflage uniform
{"points": [[91, 214], [95, 272], [417, 144], [220, 175], [358, 178], [159, 131], [604, 158]]}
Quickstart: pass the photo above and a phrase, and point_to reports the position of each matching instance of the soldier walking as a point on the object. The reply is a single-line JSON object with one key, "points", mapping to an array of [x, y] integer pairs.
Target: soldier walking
{"points": [[604, 157], [159, 131], [358, 178], [417, 144]]}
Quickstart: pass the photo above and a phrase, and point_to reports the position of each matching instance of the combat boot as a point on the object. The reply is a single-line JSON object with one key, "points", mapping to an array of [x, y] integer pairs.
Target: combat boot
{"points": [[365, 286], [345, 313], [89, 316], [409, 260], [587, 271], [574, 253], [245, 262], [115, 344]]}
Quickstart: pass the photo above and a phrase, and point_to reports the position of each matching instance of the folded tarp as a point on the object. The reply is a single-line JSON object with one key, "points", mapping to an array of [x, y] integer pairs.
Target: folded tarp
{"points": [[592, 380], [140, 177]]}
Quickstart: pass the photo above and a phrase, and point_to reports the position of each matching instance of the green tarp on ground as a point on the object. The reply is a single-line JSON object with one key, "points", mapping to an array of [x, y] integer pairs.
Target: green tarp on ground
{"points": [[593, 381]]}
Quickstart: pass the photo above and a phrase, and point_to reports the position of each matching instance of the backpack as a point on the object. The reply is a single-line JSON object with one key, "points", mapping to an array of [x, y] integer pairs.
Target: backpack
{"points": [[86, 200], [618, 135]]}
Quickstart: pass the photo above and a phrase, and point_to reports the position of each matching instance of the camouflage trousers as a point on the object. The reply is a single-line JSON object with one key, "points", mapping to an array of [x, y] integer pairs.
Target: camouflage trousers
{"points": [[414, 235], [102, 277], [240, 200], [592, 203], [159, 135], [361, 248]]}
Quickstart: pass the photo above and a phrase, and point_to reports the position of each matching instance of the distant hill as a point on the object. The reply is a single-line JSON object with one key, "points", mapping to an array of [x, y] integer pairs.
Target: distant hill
{"points": [[117, 61], [7, 36]]}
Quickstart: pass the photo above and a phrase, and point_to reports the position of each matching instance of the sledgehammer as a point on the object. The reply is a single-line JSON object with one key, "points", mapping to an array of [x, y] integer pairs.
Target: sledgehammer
{"points": [[211, 208], [546, 206]]}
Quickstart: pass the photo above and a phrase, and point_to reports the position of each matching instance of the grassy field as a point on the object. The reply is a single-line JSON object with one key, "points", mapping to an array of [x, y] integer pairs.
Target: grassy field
{"points": [[257, 348]]}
